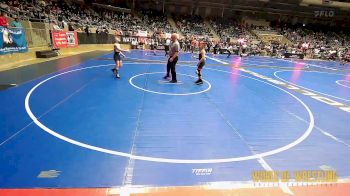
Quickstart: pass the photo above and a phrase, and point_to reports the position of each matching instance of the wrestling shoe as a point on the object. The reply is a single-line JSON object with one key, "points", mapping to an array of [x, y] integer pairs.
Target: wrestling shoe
{"points": [[199, 82]]}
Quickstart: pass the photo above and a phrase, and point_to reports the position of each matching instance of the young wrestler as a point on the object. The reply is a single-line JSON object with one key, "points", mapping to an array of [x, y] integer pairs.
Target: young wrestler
{"points": [[200, 64], [117, 59]]}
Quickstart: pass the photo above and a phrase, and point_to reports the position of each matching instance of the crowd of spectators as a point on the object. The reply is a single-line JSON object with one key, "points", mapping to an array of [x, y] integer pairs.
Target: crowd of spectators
{"points": [[227, 27], [36, 9], [97, 18], [317, 43], [5, 23], [74, 15], [313, 43], [192, 26], [157, 22], [230, 28]]}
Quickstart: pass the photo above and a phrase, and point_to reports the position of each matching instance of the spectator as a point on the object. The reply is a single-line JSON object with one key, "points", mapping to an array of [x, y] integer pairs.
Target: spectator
{"points": [[15, 23], [105, 30], [55, 27], [4, 6], [3, 20], [87, 30], [70, 27], [307, 39], [192, 26]]}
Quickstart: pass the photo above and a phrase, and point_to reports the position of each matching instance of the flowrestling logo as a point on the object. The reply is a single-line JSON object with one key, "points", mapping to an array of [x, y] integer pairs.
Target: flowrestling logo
{"points": [[324, 13]]}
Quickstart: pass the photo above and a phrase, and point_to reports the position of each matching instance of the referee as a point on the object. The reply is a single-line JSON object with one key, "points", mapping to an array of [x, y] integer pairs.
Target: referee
{"points": [[173, 58]]}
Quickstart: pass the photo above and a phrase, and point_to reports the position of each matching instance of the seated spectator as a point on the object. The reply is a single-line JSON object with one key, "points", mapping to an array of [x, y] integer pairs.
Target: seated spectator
{"points": [[55, 27], [15, 23], [87, 30], [3, 20], [70, 27], [4, 6], [157, 21], [192, 26]]}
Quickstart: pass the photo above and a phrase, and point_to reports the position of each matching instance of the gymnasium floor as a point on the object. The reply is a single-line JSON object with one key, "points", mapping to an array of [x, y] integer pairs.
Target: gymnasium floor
{"points": [[79, 127]]}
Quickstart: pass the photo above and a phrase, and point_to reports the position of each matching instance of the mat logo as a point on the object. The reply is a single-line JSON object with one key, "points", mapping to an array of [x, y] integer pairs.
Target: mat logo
{"points": [[49, 174], [202, 172]]}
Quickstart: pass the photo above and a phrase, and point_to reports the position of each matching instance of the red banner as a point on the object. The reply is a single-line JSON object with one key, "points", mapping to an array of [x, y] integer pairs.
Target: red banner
{"points": [[63, 39]]}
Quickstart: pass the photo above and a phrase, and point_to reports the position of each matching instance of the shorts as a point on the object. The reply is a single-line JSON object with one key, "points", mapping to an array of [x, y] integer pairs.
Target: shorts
{"points": [[116, 56], [201, 65]]}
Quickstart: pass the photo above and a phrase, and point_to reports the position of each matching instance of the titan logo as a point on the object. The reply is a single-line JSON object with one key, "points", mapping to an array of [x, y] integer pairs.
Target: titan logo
{"points": [[49, 174], [202, 172]]}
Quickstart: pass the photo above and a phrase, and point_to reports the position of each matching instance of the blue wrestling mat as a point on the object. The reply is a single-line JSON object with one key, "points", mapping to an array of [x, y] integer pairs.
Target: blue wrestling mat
{"points": [[81, 127]]}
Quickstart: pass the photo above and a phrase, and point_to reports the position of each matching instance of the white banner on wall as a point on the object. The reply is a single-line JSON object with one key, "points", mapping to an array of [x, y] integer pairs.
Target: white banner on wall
{"points": [[142, 33]]}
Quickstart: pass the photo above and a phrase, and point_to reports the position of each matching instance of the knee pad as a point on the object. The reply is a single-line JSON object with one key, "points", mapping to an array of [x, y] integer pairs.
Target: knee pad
{"points": [[199, 72]]}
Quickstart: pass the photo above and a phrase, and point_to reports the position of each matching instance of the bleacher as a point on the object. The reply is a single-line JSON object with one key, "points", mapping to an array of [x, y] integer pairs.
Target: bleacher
{"points": [[84, 18]]}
